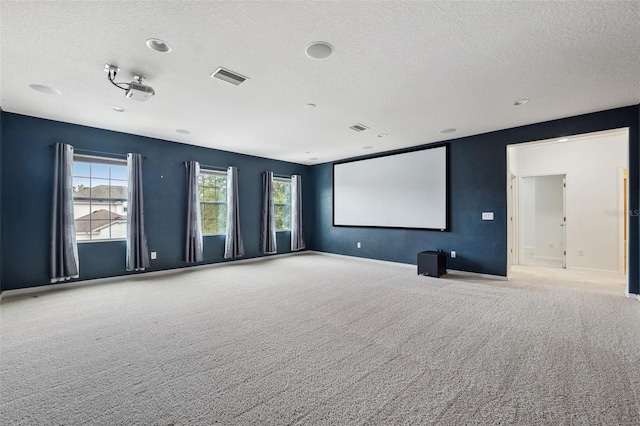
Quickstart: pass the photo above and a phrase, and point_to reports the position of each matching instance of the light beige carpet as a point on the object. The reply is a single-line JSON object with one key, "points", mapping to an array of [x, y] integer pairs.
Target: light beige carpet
{"points": [[315, 339]]}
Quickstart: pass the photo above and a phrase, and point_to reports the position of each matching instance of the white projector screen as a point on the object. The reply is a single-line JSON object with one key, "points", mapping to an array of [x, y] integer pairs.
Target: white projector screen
{"points": [[407, 190]]}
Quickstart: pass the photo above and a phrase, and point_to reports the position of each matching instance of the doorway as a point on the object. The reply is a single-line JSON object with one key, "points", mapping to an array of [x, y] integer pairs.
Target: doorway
{"points": [[542, 211], [567, 205]]}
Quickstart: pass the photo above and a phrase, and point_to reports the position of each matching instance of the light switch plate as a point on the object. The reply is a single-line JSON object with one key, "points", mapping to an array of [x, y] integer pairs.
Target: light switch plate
{"points": [[487, 215], [154, 255]]}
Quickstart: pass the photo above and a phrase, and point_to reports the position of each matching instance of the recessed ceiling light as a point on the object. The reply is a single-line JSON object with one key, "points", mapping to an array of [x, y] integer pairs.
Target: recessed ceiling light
{"points": [[158, 45], [521, 102], [563, 140], [383, 135], [319, 50], [309, 152], [449, 130], [183, 131], [367, 147], [313, 158], [118, 109], [45, 89], [309, 106]]}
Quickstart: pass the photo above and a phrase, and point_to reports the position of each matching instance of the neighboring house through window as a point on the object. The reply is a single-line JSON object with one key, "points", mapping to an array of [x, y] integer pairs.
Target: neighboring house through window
{"points": [[282, 203], [99, 198], [212, 187]]}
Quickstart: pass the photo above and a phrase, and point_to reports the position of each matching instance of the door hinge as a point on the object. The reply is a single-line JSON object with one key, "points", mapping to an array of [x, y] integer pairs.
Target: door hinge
{"points": [[564, 252]]}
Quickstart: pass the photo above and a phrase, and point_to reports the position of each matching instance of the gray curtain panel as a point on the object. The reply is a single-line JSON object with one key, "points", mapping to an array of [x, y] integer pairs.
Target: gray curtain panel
{"points": [[234, 246], [137, 250], [268, 228], [193, 244], [64, 249], [297, 237]]}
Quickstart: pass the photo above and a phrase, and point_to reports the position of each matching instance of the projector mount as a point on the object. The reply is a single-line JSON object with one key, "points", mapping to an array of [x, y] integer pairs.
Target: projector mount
{"points": [[134, 90]]}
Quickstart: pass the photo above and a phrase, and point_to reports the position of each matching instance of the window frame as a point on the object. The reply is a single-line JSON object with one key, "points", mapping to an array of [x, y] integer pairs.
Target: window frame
{"points": [[288, 206], [212, 173], [94, 159]]}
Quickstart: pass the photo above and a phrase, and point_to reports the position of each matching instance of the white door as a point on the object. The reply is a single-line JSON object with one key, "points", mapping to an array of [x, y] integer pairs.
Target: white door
{"points": [[543, 221]]}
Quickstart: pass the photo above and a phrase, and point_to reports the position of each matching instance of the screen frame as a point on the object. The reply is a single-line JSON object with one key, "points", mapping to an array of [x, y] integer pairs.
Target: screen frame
{"points": [[447, 218]]}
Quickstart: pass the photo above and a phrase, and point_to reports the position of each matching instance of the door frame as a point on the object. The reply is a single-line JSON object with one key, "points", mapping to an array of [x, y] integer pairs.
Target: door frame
{"points": [[512, 222], [564, 209], [623, 225], [520, 230]]}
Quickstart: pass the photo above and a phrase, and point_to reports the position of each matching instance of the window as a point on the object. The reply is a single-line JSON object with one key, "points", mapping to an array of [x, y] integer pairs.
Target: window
{"points": [[99, 198], [282, 203], [212, 187]]}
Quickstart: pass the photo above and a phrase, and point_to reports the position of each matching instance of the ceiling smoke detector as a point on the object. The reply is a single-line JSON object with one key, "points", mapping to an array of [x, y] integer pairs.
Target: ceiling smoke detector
{"points": [[134, 90], [359, 127], [229, 76], [319, 50]]}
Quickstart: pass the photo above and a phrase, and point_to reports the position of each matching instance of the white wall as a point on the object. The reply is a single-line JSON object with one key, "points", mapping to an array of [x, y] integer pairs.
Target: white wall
{"points": [[548, 217], [594, 191], [528, 211], [512, 160]]}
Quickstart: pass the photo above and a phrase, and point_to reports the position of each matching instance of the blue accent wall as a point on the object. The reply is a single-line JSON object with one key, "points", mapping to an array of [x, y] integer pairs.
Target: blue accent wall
{"points": [[27, 161], [477, 179], [634, 201], [477, 184]]}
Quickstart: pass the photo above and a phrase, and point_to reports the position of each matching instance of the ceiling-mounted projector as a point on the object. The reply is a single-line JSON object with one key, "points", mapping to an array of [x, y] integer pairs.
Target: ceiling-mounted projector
{"points": [[134, 90], [138, 91]]}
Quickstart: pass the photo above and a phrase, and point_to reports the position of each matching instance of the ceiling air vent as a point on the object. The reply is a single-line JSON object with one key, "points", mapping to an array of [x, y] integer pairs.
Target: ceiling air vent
{"points": [[358, 127], [229, 76]]}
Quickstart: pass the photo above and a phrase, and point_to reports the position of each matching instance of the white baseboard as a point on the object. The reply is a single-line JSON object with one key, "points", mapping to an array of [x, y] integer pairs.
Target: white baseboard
{"points": [[139, 275], [365, 259], [632, 296], [577, 268], [477, 274], [412, 266], [559, 259]]}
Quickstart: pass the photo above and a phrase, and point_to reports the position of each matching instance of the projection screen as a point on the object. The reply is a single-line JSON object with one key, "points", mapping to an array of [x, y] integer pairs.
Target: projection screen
{"points": [[407, 190]]}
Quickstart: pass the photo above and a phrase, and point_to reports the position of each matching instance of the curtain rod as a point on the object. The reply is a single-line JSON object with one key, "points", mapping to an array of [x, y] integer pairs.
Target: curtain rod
{"points": [[206, 167], [109, 154], [103, 153]]}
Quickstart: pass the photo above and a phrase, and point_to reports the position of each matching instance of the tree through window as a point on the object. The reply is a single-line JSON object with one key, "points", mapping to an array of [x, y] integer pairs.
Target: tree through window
{"points": [[282, 203], [212, 187]]}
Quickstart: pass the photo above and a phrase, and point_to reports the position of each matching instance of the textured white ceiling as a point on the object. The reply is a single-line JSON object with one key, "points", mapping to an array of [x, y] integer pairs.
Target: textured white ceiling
{"points": [[408, 69]]}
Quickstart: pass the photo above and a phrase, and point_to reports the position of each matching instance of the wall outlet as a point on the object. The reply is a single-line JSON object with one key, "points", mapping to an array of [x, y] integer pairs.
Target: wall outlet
{"points": [[154, 255], [580, 252], [358, 244], [487, 215], [453, 254]]}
